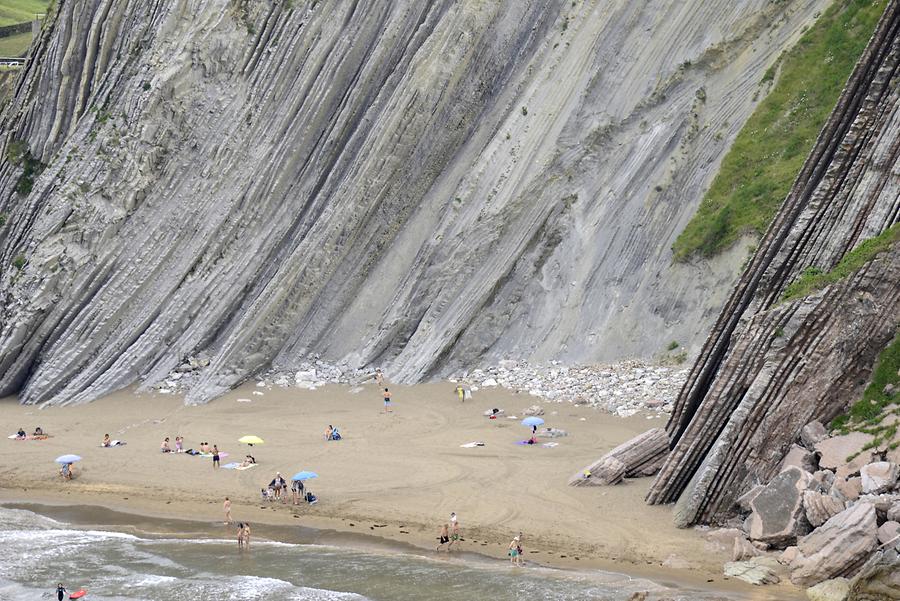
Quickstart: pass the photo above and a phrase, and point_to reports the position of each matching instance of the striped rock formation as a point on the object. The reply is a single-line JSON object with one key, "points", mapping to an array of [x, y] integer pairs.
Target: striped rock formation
{"points": [[771, 366], [412, 184]]}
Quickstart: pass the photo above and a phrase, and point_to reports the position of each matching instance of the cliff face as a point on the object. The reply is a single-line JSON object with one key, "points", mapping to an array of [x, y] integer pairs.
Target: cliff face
{"points": [[771, 366], [418, 184]]}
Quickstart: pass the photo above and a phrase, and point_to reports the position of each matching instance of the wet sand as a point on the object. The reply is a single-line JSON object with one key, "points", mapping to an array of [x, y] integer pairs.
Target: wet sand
{"points": [[392, 480]]}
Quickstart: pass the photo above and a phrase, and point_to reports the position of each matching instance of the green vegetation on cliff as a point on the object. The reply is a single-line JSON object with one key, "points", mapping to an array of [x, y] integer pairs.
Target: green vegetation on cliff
{"points": [[757, 173], [814, 279], [867, 414]]}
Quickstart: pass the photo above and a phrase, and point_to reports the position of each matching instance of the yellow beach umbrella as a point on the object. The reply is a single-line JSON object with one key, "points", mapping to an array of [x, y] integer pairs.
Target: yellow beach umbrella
{"points": [[251, 440]]}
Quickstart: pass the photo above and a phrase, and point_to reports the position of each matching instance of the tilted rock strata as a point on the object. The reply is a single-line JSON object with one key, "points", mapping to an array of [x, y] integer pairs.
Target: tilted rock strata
{"points": [[640, 456], [392, 183], [771, 367]]}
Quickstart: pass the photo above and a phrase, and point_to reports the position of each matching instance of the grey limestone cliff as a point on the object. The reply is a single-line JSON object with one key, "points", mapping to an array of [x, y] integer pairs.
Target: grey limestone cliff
{"points": [[419, 185]]}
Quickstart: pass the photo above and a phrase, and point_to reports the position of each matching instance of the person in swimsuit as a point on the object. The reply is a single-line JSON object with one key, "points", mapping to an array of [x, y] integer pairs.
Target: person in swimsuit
{"points": [[106, 441], [379, 377], [179, 444], [164, 446], [246, 531], [387, 401], [515, 552], [61, 591], [38, 431], [444, 537], [454, 533], [215, 453], [240, 535], [328, 432], [227, 507]]}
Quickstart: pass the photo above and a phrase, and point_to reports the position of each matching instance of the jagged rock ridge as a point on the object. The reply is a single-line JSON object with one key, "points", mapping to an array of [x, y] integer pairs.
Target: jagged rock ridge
{"points": [[770, 366], [420, 185]]}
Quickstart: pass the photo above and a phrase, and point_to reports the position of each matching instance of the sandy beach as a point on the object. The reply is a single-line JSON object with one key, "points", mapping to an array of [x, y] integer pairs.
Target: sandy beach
{"points": [[393, 479]]}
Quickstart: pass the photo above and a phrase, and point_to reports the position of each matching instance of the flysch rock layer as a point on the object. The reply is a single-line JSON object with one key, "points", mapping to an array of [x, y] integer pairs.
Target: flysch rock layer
{"points": [[771, 366], [417, 185]]}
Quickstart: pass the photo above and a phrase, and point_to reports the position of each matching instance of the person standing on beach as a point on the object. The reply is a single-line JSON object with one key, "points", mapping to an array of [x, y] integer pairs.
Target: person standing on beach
{"points": [[246, 531], [454, 533], [227, 507], [240, 535], [444, 537], [215, 453], [515, 552], [387, 401], [61, 591], [379, 377], [461, 393]]}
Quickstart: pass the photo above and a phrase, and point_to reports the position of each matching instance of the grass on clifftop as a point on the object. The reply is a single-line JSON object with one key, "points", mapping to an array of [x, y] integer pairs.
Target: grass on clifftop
{"points": [[758, 171], [15, 45], [867, 414], [814, 279], [20, 11]]}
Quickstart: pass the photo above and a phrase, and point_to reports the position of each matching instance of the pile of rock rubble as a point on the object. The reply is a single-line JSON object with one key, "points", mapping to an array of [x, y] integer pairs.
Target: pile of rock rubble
{"points": [[831, 514], [621, 388]]}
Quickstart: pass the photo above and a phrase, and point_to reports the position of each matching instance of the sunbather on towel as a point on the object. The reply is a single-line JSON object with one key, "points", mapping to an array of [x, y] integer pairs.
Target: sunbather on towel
{"points": [[21, 434]]}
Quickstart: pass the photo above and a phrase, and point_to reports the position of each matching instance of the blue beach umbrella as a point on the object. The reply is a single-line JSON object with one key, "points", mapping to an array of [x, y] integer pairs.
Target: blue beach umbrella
{"points": [[68, 459], [532, 421], [304, 475]]}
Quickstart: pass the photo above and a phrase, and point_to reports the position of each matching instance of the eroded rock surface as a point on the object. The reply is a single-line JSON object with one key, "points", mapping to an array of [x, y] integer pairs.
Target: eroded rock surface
{"points": [[838, 548], [417, 185]]}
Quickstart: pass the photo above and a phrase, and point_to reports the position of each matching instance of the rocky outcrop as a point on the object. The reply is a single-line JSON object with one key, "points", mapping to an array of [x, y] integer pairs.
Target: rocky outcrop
{"points": [[844, 453], [640, 456], [878, 580], [819, 508], [771, 366], [839, 548], [417, 185], [778, 516]]}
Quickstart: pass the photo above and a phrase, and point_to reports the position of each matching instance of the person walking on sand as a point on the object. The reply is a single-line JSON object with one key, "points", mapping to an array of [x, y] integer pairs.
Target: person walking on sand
{"points": [[227, 507], [387, 401], [379, 377], [215, 453], [461, 393], [454, 533], [240, 535], [61, 591], [444, 537]]}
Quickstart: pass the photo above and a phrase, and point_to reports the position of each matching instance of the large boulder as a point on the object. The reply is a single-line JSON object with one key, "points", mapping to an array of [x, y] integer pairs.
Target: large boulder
{"points": [[640, 456], [820, 507], [889, 534], [778, 517], [879, 578], [834, 452], [838, 548], [812, 433], [846, 489], [879, 477], [797, 456], [606, 471], [836, 589], [759, 570]]}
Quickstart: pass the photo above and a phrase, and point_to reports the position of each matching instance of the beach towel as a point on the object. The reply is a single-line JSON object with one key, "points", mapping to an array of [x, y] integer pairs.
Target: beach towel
{"points": [[231, 466], [208, 455], [245, 467], [491, 412], [114, 443], [30, 437], [472, 445]]}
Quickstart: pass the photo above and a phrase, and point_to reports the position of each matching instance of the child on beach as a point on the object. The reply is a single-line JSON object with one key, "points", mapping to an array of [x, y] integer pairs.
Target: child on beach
{"points": [[179, 444], [164, 446], [387, 401], [454, 533]]}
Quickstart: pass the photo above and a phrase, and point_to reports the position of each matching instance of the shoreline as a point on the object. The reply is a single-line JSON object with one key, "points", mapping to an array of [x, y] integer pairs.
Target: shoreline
{"points": [[82, 515], [391, 480]]}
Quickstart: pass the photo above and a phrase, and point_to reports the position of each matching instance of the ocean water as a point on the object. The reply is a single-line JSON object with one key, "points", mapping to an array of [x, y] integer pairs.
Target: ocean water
{"points": [[36, 552]]}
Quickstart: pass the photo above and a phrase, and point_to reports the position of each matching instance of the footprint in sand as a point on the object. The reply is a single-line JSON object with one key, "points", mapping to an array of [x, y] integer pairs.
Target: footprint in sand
{"points": [[404, 532], [353, 524]]}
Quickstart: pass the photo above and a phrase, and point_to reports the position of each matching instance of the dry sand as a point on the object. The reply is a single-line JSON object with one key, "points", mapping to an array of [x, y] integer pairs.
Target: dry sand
{"points": [[395, 476]]}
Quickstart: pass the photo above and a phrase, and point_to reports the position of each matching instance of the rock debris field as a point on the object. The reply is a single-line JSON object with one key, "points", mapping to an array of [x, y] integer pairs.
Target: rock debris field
{"points": [[622, 388]]}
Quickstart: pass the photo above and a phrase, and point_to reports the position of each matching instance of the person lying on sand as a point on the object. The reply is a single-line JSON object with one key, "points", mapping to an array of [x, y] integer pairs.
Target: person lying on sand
{"points": [[21, 434], [248, 461], [38, 431], [164, 447]]}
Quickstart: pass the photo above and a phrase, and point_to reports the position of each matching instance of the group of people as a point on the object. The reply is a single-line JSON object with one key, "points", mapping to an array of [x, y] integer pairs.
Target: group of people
{"points": [[165, 448], [243, 535], [21, 434], [450, 534], [277, 489]]}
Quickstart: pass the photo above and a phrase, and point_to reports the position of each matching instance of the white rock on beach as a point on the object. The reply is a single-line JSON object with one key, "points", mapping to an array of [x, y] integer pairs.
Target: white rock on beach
{"points": [[879, 477]]}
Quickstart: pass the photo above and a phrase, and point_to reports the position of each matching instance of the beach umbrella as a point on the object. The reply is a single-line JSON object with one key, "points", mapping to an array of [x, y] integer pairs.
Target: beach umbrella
{"points": [[532, 421], [251, 440], [68, 459], [304, 475]]}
